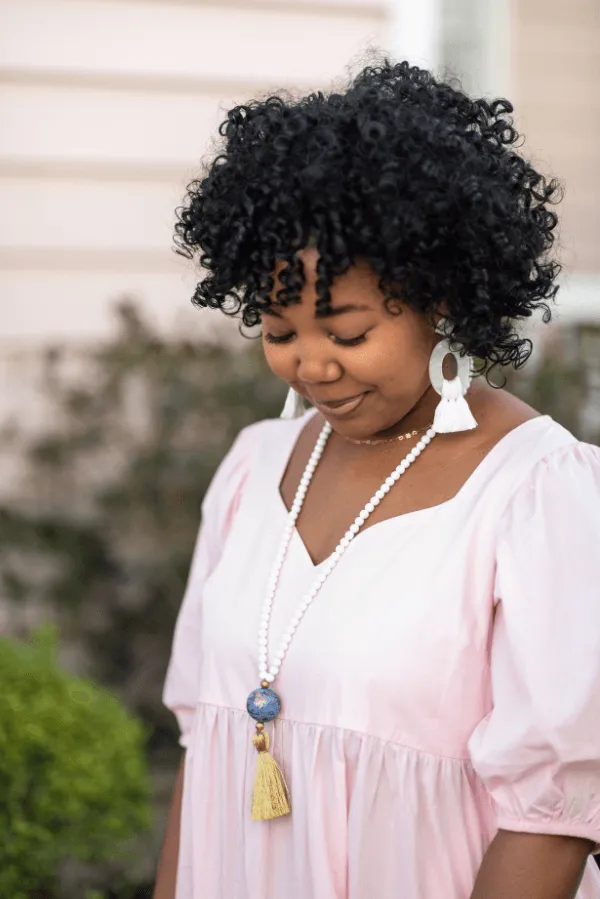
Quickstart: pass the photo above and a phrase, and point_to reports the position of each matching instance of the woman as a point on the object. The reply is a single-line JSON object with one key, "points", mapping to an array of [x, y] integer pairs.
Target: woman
{"points": [[396, 592]]}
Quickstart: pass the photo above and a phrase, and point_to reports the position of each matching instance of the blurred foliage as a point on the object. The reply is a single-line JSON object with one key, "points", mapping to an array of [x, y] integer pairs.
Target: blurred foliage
{"points": [[73, 771], [564, 382], [137, 432]]}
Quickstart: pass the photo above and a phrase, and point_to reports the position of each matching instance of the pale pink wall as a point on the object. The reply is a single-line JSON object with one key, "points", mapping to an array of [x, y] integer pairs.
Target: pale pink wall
{"points": [[556, 47]]}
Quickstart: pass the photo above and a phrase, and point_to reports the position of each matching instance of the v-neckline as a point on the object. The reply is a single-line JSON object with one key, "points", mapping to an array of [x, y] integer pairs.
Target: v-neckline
{"points": [[404, 517]]}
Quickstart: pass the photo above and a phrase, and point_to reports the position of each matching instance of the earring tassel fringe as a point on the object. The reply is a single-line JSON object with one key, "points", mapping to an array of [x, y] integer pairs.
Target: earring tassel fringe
{"points": [[294, 405], [453, 413]]}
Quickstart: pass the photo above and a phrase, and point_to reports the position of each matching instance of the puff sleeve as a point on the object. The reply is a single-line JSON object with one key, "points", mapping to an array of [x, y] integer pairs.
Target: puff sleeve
{"points": [[220, 503], [538, 750]]}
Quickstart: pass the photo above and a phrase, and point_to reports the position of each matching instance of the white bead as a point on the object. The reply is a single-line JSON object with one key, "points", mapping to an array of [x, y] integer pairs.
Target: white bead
{"points": [[267, 674]]}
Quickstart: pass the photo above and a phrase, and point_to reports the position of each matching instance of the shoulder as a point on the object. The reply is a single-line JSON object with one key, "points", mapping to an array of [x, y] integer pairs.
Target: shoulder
{"points": [[251, 447], [275, 433], [559, 476]]}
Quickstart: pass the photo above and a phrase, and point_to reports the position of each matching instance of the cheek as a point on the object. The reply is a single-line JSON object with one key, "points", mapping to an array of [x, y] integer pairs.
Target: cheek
{"points": [[277, 359], [400, 366]]}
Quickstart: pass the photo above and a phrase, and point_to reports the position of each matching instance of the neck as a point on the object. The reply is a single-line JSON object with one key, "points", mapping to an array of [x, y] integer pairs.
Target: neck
{"points": [[419, 418]]}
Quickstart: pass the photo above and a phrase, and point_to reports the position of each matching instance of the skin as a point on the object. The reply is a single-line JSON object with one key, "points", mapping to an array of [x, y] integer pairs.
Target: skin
{"points": [[166, 874]]}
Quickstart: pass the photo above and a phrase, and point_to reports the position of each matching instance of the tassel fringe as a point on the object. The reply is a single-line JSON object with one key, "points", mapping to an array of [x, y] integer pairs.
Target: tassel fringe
{"points": [[453, 413], [294, 405], [271, 798]]}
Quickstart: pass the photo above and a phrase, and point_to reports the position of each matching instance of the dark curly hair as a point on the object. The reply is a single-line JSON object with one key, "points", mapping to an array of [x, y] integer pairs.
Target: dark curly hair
{"points": [[401, 170]]}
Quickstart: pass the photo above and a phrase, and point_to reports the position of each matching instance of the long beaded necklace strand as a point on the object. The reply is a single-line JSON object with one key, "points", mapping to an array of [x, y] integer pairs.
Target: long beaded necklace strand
{"points": [[271, 797]]}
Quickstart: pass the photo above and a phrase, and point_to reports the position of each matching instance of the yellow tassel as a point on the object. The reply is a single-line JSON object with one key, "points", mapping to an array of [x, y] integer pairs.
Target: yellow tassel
{"points": [[271, 797]]}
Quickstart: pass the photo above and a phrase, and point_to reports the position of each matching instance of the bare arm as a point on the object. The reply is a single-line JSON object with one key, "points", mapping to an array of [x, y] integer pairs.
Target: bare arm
{"points": [[167, 868], [531, 866]]}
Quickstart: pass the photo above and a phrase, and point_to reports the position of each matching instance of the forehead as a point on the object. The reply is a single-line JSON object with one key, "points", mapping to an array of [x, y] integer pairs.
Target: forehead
{"points": [[356, 290]]}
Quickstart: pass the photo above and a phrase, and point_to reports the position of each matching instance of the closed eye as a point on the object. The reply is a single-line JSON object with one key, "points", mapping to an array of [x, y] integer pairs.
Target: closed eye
{"points": [[285, 338]]}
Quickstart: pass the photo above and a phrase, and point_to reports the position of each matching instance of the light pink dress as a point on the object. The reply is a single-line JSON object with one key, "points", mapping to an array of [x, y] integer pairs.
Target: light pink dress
{"points": [[445, 683]]}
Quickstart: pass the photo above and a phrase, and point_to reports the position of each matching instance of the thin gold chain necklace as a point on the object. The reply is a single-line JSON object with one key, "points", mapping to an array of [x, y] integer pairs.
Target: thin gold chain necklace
{"points": [[390, 439]]}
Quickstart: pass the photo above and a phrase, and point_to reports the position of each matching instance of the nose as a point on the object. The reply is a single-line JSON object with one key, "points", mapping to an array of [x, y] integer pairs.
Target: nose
{"points": [[315, 365]]}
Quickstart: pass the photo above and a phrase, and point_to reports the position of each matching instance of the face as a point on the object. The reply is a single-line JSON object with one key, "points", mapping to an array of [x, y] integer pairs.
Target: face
{"points": [[374, 356]]}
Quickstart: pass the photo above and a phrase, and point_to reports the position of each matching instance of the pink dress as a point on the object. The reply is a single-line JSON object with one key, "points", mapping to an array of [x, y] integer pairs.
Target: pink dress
{"points": [[445, 683]]}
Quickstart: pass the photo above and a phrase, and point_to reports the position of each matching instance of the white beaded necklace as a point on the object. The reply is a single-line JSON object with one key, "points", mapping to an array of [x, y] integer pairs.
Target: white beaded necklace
{"points": [[270, 796]]}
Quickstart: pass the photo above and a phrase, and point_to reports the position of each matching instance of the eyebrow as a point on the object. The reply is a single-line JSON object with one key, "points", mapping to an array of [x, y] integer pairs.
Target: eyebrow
{"points": [[338, 310]]}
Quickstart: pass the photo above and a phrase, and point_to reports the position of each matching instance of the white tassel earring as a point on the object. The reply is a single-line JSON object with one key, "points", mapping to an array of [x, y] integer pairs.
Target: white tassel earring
{"points": [[453, 413], [294, 405]]}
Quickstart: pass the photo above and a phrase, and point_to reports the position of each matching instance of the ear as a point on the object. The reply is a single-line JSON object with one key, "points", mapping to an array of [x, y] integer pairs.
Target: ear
{"points": [[440, 312]]}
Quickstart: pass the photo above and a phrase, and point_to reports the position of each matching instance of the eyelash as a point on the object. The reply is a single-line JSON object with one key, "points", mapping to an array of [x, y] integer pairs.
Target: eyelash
{"points": [[353, 341]]}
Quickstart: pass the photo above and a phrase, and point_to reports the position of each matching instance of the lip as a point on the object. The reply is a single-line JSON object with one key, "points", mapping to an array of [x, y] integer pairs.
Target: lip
{"points": [[344, 408]]}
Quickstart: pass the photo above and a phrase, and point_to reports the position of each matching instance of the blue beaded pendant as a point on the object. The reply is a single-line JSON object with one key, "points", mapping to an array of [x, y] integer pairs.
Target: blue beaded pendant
{"points": [[263, 704]]}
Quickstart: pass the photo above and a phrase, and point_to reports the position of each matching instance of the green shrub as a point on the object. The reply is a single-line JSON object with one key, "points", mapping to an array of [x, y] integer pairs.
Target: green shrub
{"points": [[73, 776]]}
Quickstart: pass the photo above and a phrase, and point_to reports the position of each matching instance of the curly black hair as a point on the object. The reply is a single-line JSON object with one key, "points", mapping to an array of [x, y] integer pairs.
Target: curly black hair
{"points": [[402, 170]]}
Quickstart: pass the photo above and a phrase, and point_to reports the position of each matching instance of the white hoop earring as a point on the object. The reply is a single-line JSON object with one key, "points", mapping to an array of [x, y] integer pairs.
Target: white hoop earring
{"points": [[453, 413], [294, 405]]}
